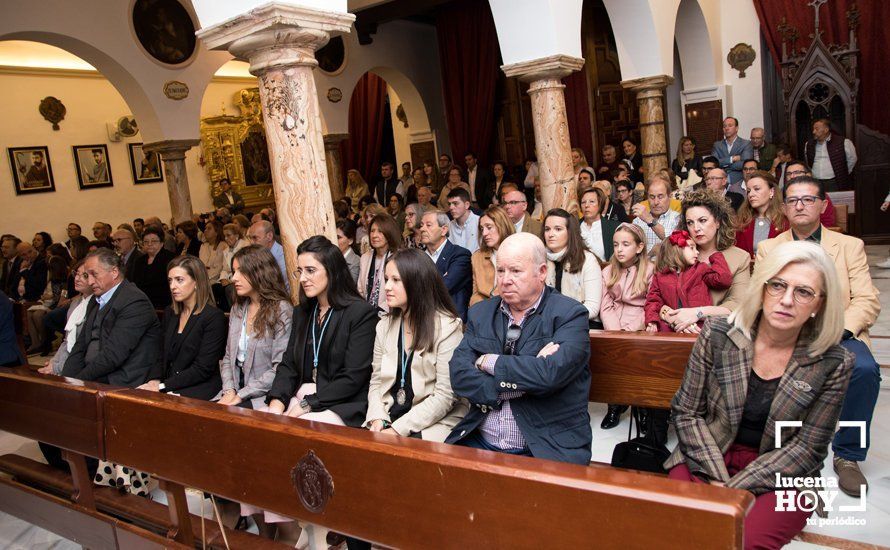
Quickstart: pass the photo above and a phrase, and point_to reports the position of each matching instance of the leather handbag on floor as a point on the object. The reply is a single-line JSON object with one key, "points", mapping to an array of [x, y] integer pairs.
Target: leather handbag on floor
{"points": [[642, 452]]}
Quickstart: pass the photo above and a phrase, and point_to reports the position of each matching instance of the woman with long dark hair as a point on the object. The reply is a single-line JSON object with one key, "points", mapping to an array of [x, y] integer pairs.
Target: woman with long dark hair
{"points": [[326, 367], [572, 269], [633, 158], [410, 392], [259, 325]]}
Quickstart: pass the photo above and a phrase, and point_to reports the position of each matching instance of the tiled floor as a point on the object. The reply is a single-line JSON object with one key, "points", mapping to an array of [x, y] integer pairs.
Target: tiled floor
{"points": [[16, 534]]}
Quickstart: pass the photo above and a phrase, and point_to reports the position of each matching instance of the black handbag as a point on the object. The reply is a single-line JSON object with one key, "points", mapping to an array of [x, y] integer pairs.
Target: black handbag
{"points": [[642, 452]]}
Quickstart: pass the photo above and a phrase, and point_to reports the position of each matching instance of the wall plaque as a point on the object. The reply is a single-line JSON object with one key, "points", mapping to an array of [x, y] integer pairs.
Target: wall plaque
{"points": [[335, 95], [176, 90]]}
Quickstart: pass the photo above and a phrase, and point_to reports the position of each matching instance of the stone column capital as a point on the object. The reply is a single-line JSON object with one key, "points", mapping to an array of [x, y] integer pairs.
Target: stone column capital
{"points": [[648, 83], [170, 149], [332, 141], [276, 35], [551, 67]]}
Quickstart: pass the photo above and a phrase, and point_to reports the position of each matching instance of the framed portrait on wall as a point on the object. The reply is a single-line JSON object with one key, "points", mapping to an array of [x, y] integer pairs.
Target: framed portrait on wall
{"points": [[31, 170], [146, 168], [92, 166]]}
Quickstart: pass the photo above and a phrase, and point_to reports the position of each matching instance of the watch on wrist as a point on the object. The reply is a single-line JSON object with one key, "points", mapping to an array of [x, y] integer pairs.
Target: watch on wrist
{"points": [[653, 223], [699, 314], [161, 386], [304, 404]]}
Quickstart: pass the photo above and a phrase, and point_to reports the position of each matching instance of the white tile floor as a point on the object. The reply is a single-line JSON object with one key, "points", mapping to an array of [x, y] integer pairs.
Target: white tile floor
{"points": [[18, 535]]}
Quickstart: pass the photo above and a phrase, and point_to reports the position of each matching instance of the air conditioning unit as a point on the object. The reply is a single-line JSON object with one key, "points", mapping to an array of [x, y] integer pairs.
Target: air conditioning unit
{"points": [[124, 127]]}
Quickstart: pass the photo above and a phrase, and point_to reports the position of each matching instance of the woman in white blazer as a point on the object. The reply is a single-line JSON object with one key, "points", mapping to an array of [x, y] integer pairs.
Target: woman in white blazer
{"points": [[572, 269], [410, 392]]}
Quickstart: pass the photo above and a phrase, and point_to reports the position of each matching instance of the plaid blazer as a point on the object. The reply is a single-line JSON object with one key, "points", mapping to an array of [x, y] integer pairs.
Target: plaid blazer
{"points": [[709, 404]]}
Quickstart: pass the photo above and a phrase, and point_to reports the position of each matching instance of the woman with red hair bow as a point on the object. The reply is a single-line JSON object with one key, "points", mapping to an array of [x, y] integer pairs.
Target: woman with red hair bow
{"points": [[681, 281]]}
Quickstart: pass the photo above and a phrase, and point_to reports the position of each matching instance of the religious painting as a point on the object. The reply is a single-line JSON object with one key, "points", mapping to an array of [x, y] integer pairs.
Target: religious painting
{"points": [[146, 167], [255, 156], [31, 170], [92, 165], [165, 30]]}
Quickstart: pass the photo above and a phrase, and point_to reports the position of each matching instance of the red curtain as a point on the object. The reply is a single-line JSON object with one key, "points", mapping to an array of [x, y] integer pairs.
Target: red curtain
{"points": [[578, 113], [469, 55], [873, 37], [366, 112]]}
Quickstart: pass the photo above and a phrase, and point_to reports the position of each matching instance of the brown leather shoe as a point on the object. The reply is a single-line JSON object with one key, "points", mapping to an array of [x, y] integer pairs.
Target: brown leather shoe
{"points": [[849, 476]]}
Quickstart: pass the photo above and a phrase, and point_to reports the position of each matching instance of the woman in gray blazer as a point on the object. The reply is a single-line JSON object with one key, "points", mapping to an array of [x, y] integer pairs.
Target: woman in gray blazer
{"points": [[410, 392], [259, 326]]}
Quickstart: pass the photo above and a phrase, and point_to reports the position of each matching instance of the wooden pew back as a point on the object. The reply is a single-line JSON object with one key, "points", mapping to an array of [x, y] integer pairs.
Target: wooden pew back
{"points": [[637, 368]]}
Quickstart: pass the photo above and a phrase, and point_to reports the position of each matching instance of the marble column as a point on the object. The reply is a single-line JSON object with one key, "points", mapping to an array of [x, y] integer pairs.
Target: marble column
{"points": [[279, 41], [559, 185], [650, 100], [172, 152], [334, 163]]}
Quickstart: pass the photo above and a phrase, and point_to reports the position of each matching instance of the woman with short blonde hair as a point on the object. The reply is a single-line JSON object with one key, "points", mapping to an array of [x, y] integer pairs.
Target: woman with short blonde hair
{"points": [[775, 359]]}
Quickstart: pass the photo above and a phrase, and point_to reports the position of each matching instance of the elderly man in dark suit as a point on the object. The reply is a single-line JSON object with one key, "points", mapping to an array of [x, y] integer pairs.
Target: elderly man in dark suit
{"points": [[732, 151], [124, 242], [452, 261], [120, 338], [522, 364]]}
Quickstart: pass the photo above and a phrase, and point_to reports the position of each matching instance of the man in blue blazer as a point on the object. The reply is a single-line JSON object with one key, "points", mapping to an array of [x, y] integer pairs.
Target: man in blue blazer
{"points": [[522, 364], [732, 152], [452, 261]]}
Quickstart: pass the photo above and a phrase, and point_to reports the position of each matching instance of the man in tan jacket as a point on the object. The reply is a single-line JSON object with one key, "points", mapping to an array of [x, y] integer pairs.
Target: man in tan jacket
{"points": [[804, 203]]}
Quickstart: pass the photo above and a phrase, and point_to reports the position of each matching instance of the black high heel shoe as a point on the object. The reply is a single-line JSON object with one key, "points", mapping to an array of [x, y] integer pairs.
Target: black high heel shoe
{"points": [[613, 416]]}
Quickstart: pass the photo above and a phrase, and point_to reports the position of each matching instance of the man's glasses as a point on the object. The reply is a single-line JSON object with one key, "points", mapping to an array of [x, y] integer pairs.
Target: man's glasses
{"points": [[806, 200], [513, 203], [802, 294]]}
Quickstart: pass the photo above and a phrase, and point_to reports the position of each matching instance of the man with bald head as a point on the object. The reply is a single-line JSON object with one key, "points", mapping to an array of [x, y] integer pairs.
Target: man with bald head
{"points": [[124, 242], [29, 282], [522, 364], [263, 234]]}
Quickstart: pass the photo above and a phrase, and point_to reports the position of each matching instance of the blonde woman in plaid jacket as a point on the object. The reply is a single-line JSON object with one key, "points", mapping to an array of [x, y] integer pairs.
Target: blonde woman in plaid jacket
{"points": [[776, 358]]}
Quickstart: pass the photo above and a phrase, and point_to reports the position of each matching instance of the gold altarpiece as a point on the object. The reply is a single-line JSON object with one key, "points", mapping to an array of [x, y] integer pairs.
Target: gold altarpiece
{"points": [[234, 148]]}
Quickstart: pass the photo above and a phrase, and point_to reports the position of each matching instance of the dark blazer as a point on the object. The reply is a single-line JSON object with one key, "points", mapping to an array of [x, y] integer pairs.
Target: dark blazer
{"points": [[344, 363], [484, 188], [35, 281], [454, 267], [129, 339], [222, 201], [552, 413], [152, 279], [130, 268], [9, 269], [709, 405], [691, 164], [10, 354], [735, 200], [190, 367], [608, 227]]}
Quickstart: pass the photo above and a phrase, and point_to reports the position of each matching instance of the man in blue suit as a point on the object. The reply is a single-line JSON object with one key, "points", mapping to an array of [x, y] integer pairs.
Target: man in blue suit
{"points": [[732, 152], [452, 261], [522, 364]]}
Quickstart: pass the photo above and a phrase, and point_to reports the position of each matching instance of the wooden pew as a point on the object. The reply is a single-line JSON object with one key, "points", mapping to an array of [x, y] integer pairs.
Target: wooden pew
{"points": [[397, 492], [637, 368]]}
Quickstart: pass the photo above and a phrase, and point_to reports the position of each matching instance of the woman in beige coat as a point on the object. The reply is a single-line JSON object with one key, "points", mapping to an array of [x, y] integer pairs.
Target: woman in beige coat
{"points": [[410, 392]]}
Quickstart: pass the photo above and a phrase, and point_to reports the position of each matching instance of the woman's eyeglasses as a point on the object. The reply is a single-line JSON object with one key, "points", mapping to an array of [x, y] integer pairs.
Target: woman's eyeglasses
{"points": [[802, 294]]}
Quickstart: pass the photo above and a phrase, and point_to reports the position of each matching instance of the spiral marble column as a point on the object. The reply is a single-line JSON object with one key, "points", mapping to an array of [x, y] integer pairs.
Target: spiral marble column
{"points": [[650, 100], [280, 42], [172, 153], [559, 186]]}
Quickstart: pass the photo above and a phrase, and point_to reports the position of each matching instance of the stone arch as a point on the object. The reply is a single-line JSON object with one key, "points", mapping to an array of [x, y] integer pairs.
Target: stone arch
{"points": [[699, 53], [654, 19], [119, 77], [412, 102]]}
